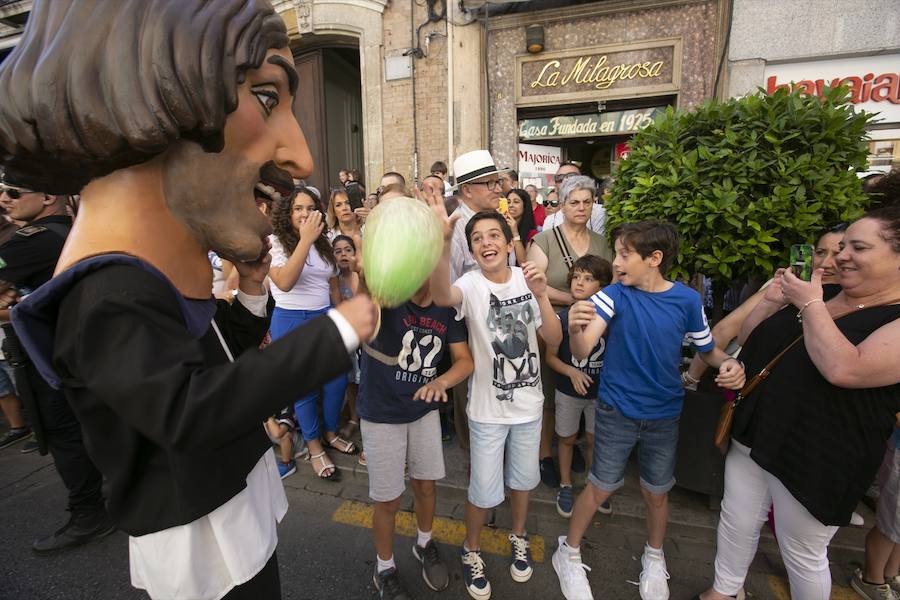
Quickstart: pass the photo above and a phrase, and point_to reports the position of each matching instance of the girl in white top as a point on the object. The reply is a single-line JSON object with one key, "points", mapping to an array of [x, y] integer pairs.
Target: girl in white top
{"points": [[302, 264]]}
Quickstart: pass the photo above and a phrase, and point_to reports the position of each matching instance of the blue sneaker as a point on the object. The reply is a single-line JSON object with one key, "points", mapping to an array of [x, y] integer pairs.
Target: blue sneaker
{"points": [[286, 468], [476, 581], [565, 501], [520, 566]]}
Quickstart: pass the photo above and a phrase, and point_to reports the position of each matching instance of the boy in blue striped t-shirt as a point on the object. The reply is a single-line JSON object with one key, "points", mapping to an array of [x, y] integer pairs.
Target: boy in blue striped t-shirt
{"points": [[640, 395]]}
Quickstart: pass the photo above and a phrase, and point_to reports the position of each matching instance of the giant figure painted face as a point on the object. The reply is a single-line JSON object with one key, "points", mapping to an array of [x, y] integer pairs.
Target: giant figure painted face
{"points": [[96, 86]]}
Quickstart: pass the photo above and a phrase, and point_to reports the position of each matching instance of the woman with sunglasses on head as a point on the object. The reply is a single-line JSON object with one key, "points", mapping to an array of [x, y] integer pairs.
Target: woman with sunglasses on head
{"points": [[554, 251], [340, 217], [302, 264], [811, 436]]}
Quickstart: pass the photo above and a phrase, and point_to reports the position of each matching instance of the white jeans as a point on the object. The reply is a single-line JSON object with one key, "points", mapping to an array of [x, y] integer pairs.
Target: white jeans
{"points": [[803, 540]]}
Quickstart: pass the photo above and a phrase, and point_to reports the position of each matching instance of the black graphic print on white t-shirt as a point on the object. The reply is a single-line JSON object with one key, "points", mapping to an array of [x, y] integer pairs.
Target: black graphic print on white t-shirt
{"points": [[515, 365]]}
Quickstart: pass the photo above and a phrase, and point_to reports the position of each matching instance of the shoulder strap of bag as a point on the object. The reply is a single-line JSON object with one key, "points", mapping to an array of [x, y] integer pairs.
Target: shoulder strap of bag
{"points": [[759, 377], [563, 247]]}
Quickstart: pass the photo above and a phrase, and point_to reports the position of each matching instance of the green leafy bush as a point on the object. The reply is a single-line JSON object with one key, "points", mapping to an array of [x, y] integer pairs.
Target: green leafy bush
{"points": [[743, 179]]}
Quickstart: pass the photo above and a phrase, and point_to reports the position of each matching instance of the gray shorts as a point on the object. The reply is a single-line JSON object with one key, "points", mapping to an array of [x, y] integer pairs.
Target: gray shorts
{"points": [[386, 445], [887, 517], [568, 414]]}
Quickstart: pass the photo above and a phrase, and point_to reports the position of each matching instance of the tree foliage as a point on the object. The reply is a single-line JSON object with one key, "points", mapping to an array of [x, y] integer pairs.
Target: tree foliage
{"points": [[744, 179]]}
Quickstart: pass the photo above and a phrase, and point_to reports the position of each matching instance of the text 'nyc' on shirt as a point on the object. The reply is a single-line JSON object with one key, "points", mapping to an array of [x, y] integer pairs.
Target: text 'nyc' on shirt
{"points": [[643, 348], [402, 358], [503, 319]]}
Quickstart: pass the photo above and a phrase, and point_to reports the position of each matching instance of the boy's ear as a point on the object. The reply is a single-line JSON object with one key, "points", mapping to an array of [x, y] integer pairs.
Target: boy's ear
{"points": [[656, 258]]}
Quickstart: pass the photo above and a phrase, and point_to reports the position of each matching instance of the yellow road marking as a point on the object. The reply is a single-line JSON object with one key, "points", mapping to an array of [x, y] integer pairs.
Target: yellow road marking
{"points": [[782, 591], [447, 531]]}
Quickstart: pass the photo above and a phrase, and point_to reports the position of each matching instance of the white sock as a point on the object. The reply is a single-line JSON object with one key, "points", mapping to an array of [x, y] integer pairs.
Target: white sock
{"points": [[384, 565], [569, 549], [653, 552], [422, 538]]}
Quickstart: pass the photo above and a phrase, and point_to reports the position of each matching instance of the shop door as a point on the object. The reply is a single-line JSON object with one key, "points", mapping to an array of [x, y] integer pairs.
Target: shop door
{"points": [[309, 108], [329, 108]]}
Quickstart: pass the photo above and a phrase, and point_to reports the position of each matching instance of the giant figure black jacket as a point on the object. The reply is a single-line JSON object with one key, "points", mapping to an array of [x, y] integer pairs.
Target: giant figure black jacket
{"points": [[170, 422]]}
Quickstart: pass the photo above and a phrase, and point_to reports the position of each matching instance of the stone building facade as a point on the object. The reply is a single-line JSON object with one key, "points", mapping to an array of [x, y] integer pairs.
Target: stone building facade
{"points": [[819, 42]]}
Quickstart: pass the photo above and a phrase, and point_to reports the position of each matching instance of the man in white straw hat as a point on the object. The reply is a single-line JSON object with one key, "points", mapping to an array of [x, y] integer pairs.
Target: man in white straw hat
{"points": [[478, 188]]}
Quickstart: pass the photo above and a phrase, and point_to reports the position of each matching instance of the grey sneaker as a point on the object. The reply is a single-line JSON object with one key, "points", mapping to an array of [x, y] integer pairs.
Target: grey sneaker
{"points": [[389, 585], [14, 436], [434, 571], [870, 590], [30, 446]]}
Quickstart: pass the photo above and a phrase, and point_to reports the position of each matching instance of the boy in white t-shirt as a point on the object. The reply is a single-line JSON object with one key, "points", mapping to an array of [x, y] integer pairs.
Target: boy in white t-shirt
{"points": [[505, 308]]}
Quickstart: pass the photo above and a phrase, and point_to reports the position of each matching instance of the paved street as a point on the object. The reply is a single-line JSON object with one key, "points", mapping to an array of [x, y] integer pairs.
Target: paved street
{"points": [[325, 547]]}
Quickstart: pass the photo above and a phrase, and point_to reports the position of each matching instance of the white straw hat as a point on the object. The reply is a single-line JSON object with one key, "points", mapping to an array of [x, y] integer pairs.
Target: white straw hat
{"points": [[472, 165]]}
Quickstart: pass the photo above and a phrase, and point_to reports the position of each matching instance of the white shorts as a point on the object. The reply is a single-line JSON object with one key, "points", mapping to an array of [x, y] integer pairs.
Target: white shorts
{"points": [[488, 443]]}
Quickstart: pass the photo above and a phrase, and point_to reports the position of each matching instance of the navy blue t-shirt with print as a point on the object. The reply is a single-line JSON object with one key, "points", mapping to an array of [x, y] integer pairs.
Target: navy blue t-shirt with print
{"points": [[590, 366], [403, 357]]}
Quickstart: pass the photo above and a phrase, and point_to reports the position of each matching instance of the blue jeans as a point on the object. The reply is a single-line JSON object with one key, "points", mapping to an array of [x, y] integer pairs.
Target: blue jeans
{"points": [[616, 435], [306, 408]]}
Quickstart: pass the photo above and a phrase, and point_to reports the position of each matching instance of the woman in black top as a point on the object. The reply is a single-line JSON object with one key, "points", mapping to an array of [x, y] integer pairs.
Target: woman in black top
{"points": [[810, 438]]}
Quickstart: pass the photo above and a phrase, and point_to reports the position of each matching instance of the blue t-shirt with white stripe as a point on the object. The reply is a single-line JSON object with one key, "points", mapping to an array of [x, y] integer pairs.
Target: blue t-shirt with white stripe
{"points": [[643, 349]]}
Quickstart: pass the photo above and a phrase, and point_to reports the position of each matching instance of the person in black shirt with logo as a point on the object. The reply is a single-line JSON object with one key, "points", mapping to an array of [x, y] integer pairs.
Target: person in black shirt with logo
{"points": [[399, 394]]}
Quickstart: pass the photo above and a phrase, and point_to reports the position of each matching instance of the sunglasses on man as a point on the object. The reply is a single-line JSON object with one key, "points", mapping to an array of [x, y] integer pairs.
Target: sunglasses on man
{"points": [[14, 193], [561, 178]]}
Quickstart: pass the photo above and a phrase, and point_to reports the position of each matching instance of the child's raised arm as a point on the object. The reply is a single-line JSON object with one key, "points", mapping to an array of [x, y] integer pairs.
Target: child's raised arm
{"points": [[443, 293], [585, 329], [550, 329]]}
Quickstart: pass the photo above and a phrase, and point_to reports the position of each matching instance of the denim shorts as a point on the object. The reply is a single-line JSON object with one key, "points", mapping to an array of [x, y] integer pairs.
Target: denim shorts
{"points": [[7, 383], [615, 435], [490, 446]]}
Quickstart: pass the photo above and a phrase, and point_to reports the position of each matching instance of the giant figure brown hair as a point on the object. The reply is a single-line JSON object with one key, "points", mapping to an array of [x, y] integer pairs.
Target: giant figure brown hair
{"points": [[160, 71]]}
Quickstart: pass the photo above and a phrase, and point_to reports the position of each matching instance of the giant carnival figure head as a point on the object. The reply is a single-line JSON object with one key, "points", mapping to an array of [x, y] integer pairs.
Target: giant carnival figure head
{"points": [[188, 102]]}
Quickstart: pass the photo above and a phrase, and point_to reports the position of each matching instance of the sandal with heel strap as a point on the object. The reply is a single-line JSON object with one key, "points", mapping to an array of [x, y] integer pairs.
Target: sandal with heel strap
{"points": [[341, 445], [326, 464]]}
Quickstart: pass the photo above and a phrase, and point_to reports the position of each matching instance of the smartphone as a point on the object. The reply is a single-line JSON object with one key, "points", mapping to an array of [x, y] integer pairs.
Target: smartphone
{"points": [[354, 195], [801, 261], [504, 206]]}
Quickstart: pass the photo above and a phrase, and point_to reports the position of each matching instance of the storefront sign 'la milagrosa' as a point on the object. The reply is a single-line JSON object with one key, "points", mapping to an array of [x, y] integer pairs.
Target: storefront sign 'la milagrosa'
{"points": [[630, 70]]}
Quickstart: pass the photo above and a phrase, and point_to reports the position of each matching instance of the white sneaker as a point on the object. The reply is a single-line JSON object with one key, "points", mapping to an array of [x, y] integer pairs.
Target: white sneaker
{"points": [[654, 578], [573, 580]]}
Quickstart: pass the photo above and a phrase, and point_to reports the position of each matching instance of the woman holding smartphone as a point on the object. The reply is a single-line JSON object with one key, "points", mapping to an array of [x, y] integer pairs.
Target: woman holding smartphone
{"points": [[302, 263], [811, 436]]}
